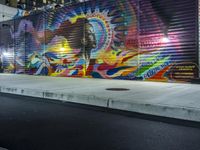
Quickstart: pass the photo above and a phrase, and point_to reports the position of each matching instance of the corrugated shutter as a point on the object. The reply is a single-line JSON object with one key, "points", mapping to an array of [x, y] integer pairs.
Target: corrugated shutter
{"points": [[116, 23], [169, 40], [34, 45], [115, 39], [19, 40], [6, 47], [199, 34], [64, 33]]}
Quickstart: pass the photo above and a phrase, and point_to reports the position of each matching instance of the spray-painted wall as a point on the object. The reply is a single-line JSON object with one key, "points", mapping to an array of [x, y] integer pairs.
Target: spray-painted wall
{"points": [[199, 33], [115, 39]]}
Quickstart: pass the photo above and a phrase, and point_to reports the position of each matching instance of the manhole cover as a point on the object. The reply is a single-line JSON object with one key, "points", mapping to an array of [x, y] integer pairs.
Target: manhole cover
{"points": [[117, 89]]}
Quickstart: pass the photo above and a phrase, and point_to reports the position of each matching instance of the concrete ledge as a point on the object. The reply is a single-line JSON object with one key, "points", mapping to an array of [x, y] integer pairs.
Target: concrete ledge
{"points": [[184, 113], [76, 98], [22, 91], [158, 110], [67, 97]]}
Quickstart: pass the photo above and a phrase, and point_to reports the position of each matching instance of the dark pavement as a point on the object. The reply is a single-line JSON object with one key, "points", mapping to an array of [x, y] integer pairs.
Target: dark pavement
{"points": [[38, 124]]}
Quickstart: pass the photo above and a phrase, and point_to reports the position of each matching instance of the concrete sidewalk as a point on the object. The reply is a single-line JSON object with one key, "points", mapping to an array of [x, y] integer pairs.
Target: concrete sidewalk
{"points": [[175, 100]]}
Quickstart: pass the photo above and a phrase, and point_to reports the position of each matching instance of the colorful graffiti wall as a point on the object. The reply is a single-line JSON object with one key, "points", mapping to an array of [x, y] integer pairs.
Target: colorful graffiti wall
{"points": [[121, 39]]}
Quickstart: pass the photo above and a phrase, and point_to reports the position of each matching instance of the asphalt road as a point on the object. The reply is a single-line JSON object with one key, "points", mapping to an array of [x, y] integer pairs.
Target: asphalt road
{"points": [[37, 124]]}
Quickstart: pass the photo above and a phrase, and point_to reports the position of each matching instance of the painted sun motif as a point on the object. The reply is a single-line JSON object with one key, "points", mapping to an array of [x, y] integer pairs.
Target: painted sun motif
{"points": [[102, 27], [108, 26]]}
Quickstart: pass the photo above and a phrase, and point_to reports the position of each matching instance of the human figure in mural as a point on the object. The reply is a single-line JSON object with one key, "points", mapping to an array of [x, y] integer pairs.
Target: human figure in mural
{"points": [[79, 34], [42, 63], [44, 67]]}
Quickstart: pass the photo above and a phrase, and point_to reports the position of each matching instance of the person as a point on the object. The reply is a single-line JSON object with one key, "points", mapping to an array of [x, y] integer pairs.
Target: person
{"points": [[45, 67]]}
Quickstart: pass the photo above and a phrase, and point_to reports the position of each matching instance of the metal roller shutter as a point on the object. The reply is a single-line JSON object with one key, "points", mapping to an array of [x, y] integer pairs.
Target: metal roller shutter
{"points": [[34, 45], [6, 47], [116, 39], [168, 35], [64, 33], [19, 46]]}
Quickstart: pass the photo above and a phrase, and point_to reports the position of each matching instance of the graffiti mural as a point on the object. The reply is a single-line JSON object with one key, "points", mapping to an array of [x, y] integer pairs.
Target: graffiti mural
{"points": [[6, 48], [129, 39]]}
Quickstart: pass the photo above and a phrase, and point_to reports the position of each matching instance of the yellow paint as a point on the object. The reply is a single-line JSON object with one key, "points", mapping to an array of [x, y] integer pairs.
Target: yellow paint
{"points": [[60, 47], [76, 17]]}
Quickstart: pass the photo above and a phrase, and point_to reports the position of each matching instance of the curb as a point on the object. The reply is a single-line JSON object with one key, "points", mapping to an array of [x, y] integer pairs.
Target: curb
{"points": [[177, 112]]}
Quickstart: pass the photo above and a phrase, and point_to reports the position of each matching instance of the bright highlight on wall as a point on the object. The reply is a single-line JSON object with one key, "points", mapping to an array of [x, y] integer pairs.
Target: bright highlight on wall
{"points": [[7, 54], [62, 49], [165, 40]]}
